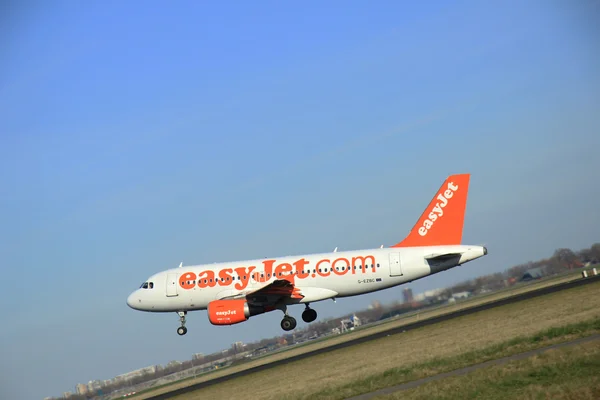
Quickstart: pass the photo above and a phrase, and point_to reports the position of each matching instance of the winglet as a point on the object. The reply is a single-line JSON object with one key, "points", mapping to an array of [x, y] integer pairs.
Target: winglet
{"points": [[181, 264], [442, 221]]}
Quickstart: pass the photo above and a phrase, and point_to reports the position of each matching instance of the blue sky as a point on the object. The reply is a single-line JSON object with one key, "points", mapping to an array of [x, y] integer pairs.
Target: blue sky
{"points": [[135, 135]]}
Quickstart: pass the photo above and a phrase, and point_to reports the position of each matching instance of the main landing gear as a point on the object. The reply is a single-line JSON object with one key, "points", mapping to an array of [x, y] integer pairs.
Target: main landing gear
{"points": [[182, 330], [288, 323], [309, 315]]}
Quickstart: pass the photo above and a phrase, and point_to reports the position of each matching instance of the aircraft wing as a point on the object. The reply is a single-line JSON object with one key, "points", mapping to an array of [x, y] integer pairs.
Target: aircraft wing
{"points": [[273, 292], [269, 294]]}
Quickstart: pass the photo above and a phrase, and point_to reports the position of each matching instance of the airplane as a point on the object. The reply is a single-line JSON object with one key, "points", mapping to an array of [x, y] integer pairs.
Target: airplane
{"points": [[233, 292]]}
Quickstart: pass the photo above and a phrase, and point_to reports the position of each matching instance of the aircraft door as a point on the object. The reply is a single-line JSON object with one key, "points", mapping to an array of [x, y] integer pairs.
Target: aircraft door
{"points": [[395, 266], [171, 285]]}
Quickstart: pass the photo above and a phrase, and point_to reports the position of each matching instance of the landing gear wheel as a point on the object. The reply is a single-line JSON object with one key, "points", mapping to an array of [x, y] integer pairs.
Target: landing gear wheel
{"points": [[309, 315], [182, 330], [288, 323]]}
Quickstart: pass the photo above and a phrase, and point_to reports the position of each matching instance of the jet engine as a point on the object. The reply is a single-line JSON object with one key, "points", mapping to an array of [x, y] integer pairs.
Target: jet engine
{"points": [[229, 312]]}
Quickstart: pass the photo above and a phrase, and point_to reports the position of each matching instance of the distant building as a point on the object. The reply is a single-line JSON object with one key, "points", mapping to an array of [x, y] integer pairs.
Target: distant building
{"points": [[460, 295], [198, 356], [349, 323], [375, 305], [428, 295], [136, 373], [173, 363], [408, 295], [81, 389], [532, 274], [237, 346]]}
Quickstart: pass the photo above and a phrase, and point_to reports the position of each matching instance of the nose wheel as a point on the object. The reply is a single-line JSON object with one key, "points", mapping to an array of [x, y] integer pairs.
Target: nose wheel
{"points": [[309, 315], [182, 330]]}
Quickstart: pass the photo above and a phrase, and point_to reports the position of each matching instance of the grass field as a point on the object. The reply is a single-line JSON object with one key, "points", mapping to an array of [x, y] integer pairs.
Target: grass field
{"points": [[469, 339], [364, 331], [566, 373]]}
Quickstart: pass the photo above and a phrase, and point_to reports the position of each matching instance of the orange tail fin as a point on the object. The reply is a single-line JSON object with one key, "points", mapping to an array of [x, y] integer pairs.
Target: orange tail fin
{"points": [[442, 221]]}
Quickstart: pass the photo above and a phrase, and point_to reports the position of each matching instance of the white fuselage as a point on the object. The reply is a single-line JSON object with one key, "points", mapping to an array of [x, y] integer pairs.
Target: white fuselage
{"points": [[317, 276]]}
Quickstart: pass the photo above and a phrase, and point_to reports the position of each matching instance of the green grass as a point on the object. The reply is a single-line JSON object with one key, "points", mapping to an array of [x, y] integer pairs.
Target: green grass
{"points": [[566, 373], [395, 376]]}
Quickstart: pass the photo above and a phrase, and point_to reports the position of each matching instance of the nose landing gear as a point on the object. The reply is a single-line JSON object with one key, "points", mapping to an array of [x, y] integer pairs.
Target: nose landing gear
{"points": [[182, 330], [309, 315]]}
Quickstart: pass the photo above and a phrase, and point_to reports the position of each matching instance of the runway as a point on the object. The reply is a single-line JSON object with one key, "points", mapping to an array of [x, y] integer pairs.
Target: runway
{"points": [[388, 332]]}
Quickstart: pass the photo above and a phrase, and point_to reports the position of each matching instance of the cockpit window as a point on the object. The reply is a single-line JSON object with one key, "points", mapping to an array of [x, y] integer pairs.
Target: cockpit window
{"points": [[151, 285], [144, 285]]}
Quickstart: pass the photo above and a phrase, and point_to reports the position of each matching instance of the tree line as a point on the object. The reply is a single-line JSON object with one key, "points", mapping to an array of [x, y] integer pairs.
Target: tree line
{"points": [[562, 260]]}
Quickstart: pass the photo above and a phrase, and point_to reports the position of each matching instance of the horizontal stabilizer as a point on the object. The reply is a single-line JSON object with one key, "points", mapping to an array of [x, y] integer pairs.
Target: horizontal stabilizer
{"points": [[443, 257]]}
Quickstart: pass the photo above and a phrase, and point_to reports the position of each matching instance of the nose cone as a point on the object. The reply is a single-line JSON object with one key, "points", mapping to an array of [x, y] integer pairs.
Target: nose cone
{"points": [[132, 300]]}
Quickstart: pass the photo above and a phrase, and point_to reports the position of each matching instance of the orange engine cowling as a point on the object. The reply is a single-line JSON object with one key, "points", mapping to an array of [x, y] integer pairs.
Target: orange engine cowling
{"points": [[228, 312]]}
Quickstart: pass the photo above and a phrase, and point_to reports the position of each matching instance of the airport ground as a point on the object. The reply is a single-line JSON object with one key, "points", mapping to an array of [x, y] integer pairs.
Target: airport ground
{"points": [[568, 370], [426, 351]]}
